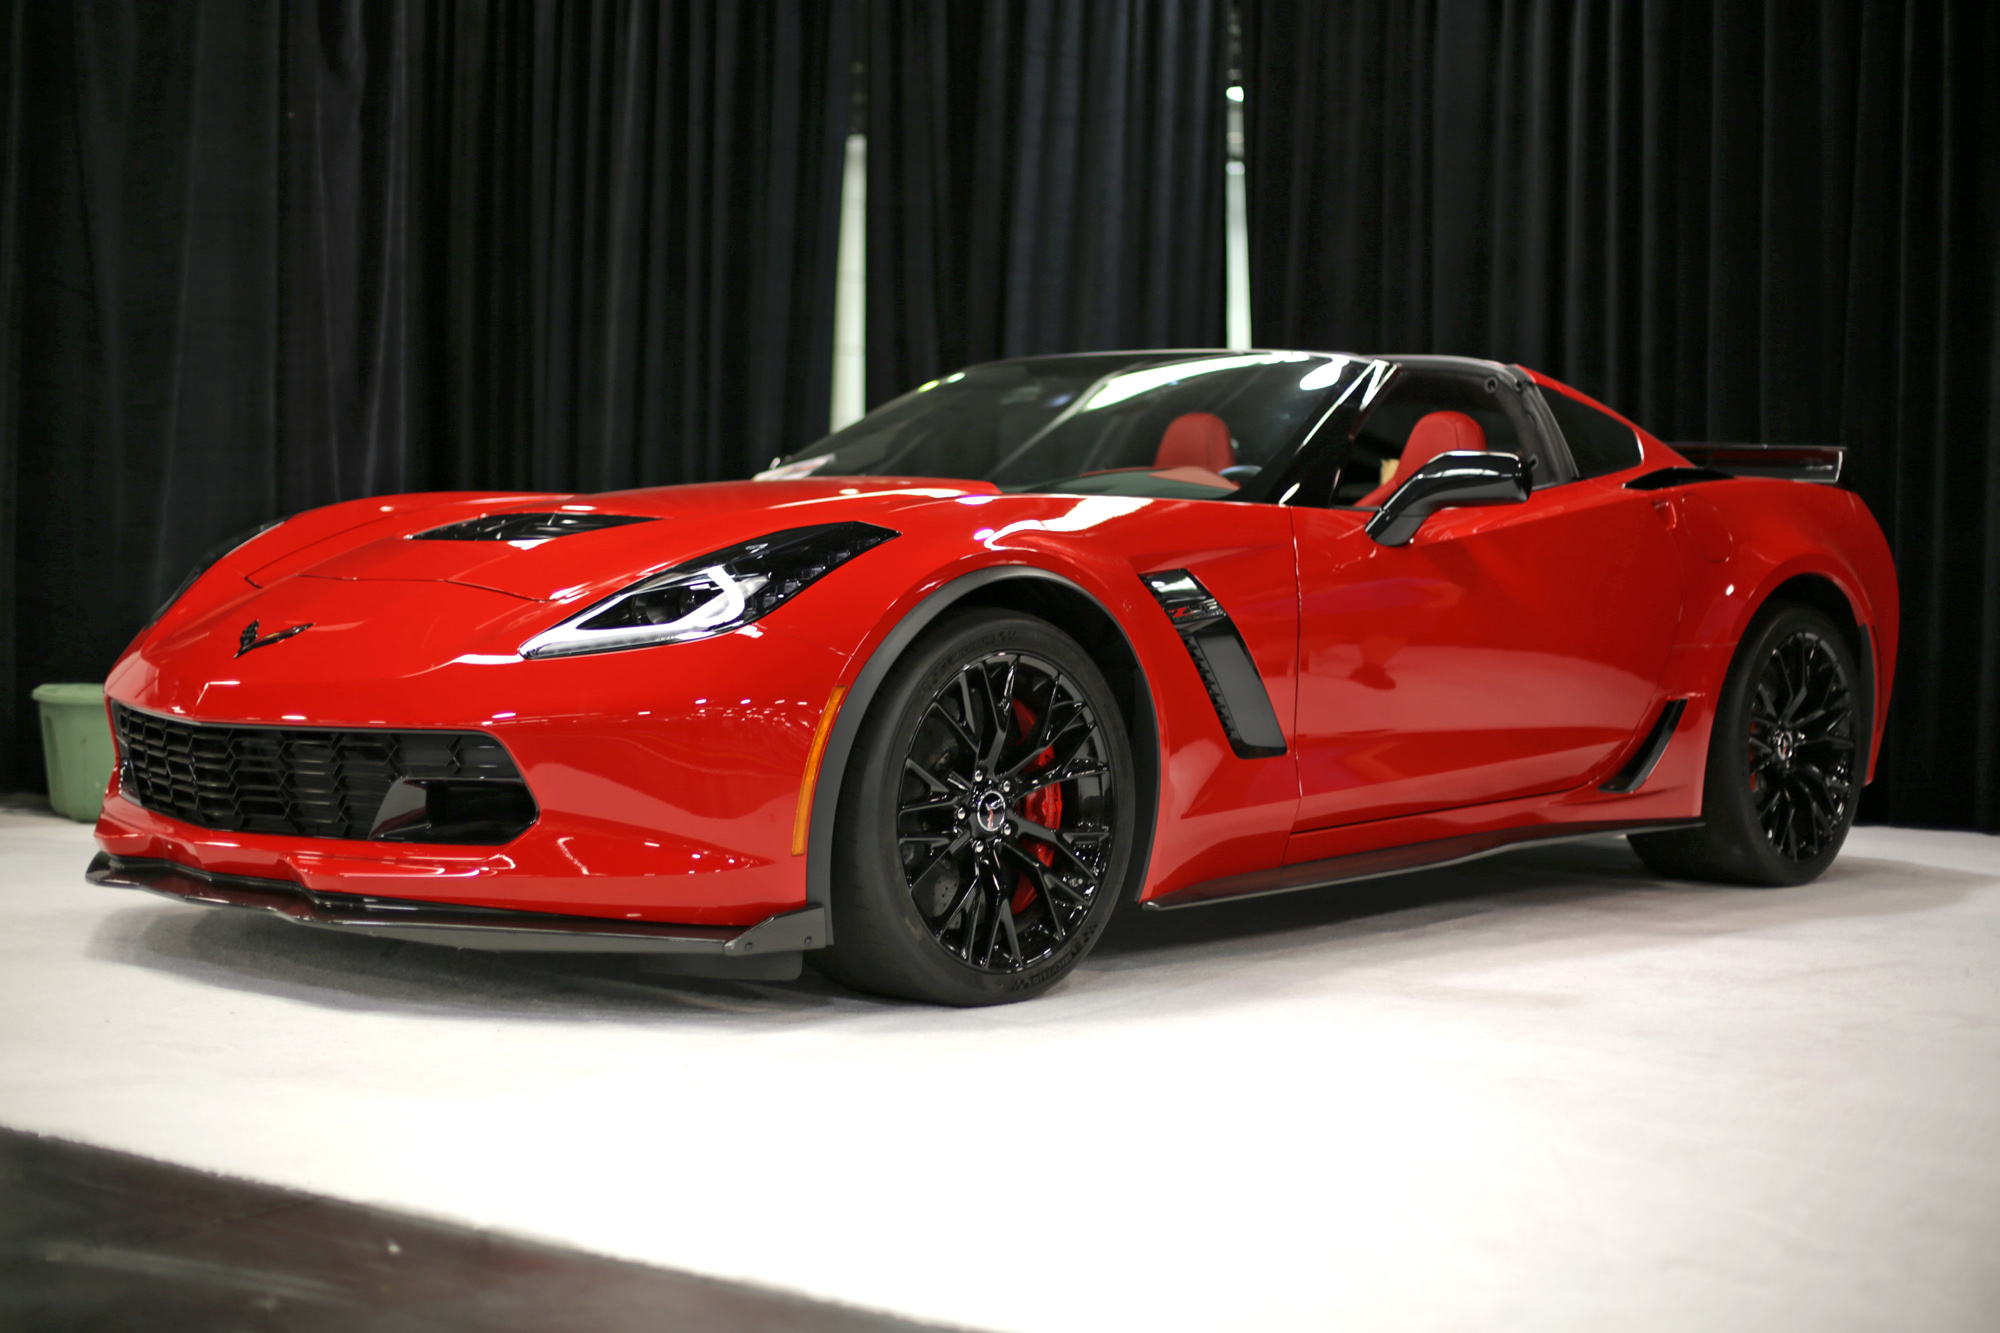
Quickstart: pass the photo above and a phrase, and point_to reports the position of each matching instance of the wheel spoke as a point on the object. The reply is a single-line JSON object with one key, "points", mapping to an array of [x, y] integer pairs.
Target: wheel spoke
{"points": [[1039, 740], [1795, 680], [994, 904], [956, 906], [972, 711], [1049, 837], [1047, 883], [1003, 716], [1005, 919], [956, 727], [926, 879], [932, 783], [973, 902]]}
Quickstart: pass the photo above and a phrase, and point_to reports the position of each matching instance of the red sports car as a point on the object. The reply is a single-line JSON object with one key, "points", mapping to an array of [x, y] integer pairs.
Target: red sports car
{"points": [[931, 699]]}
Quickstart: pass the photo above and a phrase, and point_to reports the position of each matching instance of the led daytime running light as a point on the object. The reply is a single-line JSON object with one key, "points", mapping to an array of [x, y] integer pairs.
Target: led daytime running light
{"points": [[718, 592]]}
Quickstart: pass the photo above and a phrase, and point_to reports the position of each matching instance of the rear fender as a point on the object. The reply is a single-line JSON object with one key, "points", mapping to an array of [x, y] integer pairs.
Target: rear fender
{"points": [[1784, 531]]}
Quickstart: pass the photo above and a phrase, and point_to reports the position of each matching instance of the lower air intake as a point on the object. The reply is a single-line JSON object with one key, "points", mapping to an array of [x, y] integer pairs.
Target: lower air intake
{"points": [[457, 787]]}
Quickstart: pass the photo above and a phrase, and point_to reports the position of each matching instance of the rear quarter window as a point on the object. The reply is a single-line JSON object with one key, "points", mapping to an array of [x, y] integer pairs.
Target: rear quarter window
{"points": [[1599, 443]]}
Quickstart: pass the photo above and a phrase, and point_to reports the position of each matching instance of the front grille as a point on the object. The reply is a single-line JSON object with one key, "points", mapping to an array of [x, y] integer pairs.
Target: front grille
{"points": [[313, 782]]}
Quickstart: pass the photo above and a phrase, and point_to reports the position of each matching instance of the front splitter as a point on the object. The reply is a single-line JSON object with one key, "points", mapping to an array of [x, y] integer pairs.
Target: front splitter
{"points": [[770, 950]]}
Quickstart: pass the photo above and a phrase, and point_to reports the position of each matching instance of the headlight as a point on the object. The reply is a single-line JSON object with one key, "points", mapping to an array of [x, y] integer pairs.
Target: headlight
{"points": [[719, 592], [206, 563]]}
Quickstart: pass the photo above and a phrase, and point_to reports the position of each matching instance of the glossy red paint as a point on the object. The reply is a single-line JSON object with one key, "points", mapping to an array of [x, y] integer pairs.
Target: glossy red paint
{"points": [[1484, 661], [1489, 675]]}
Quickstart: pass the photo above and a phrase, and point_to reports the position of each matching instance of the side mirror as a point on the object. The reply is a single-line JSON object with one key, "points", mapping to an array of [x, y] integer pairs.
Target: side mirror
{"points": [[1461, 477]]}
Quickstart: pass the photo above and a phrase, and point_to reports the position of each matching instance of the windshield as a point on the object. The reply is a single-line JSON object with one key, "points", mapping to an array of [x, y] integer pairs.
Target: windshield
{"points": [[1198, 424]]}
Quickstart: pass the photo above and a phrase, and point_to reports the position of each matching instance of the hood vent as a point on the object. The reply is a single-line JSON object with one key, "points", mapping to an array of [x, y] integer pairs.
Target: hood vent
{"points": [[525, 527]]}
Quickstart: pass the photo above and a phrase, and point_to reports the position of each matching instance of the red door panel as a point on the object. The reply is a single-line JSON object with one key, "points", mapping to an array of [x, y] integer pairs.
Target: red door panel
{"points": [[1506, 651]]}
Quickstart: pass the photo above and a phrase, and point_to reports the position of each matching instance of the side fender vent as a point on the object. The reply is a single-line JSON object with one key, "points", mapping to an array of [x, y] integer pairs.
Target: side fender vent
{"points": [[1640, 766], [1241, 703]]}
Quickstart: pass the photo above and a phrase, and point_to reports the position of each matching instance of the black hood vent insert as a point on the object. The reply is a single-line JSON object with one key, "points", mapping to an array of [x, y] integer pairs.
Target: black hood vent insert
{"points": [[525, 527]]}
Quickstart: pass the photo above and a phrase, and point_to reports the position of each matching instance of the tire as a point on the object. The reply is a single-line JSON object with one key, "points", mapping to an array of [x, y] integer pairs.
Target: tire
{"points": [[1785, 759], [960, 881]]}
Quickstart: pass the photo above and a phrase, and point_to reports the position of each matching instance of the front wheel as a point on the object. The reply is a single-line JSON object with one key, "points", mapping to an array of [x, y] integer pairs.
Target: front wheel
{"points": [[987, 818], [1785, 761]]}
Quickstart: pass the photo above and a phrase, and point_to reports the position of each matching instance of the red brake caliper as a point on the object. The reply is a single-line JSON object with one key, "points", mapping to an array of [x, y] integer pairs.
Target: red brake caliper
{"points": [[1043, 805]]}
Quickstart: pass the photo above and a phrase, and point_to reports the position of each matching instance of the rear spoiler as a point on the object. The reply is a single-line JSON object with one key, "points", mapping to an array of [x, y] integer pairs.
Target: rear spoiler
{"points": [[1791, 462]]}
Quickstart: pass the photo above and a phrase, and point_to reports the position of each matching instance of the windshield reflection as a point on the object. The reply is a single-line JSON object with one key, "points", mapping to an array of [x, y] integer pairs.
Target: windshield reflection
{"points": [[1186, 424]]}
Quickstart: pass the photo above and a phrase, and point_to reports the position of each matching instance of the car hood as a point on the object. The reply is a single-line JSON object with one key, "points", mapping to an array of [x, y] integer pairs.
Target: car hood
{"points": [[681, 523]]}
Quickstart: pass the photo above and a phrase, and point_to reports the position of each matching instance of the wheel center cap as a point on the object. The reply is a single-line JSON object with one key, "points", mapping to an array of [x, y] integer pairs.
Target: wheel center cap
{"points": [[990, 809], [1784, 743]]}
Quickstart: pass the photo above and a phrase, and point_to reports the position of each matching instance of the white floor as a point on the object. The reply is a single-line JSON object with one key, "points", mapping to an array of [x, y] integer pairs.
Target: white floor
{"points": [[1542, 1092]]}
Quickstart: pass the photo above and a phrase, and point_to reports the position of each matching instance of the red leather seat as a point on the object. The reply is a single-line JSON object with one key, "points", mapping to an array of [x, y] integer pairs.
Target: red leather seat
{"points": [[1196, 439], [1435, 433]]}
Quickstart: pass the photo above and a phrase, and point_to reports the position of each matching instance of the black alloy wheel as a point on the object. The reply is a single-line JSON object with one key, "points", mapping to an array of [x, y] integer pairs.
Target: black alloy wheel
{"points": [[985, 831], [1786, 759]]}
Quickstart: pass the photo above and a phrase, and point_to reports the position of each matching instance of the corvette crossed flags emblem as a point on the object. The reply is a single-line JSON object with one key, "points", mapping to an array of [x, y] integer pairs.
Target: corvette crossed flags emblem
{"points": [[249, 640]]}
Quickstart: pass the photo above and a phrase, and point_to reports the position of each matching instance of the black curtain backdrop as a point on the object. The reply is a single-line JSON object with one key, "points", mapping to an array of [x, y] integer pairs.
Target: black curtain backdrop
{"points": [[1043, 176], [261, 257], [1769, 222], [628, 214]]}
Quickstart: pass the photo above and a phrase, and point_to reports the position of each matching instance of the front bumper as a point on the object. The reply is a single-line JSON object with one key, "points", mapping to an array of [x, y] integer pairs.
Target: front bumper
{"points": [[667, 779], [771, 949]]}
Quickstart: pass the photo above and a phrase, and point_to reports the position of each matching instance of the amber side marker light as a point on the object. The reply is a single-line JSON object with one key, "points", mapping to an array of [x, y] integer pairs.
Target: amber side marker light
{"points": [[802, 822]]}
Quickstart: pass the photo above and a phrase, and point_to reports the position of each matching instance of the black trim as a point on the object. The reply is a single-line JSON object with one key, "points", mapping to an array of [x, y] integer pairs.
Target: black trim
{"points": [[1864, 638], [1461, 477], [855, 704], [1660, 479], [1633, 776], [1395, 861], [488, 928], [1235, 688], [1563, 469]]}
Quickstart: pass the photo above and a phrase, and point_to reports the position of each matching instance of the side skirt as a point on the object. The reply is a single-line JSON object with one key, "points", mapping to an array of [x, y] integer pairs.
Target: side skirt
{"points": [[770, 950], [1396, 861]]}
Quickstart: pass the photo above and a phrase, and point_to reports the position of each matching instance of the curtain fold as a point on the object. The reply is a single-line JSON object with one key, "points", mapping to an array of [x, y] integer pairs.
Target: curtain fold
{"points": [[14, 703], [626, 226], [1044, 176], [1771, 222], [264, 257]]}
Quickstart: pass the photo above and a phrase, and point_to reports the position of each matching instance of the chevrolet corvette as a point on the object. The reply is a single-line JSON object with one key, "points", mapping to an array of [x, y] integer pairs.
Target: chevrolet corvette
{"points": [[930, 699]]}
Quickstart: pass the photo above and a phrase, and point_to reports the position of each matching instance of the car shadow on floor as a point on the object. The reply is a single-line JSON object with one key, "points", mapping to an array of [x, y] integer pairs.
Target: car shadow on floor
{"points": [[1583, 898]]}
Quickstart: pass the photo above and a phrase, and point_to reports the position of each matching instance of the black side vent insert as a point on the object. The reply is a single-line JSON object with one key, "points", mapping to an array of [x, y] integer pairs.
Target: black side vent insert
{"points": [[320, 782], [1234, 687], [1640, 766], [525, 527]]}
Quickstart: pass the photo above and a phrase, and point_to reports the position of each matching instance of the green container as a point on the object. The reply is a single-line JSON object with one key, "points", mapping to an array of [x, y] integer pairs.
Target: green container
{"points": [[76, 743]]}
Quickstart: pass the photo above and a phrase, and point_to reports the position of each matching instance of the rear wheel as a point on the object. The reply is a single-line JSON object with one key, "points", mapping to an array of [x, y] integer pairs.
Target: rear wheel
{"points": [[987, 820], [1785, 759]]}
